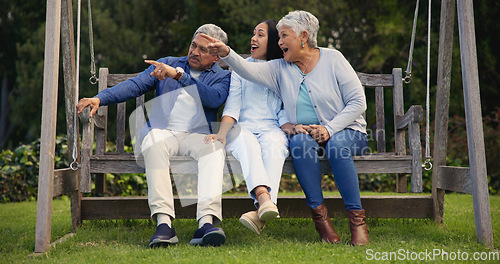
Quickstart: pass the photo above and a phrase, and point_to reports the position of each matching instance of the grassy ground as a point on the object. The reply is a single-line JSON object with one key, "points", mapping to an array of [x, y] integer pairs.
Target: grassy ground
{"points": [[283, 240]]}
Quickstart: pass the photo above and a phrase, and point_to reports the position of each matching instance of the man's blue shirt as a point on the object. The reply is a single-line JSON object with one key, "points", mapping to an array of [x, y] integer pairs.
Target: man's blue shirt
{"points": [[212, 87]]}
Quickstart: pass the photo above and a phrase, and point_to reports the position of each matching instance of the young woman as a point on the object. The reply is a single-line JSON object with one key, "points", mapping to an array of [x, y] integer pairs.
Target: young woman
{"points": [[250, 129]]}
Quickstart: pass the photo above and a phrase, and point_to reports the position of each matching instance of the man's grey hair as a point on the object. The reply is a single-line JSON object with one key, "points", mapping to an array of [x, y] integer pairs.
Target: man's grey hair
{"points": [[300, 21], [212, 31]]}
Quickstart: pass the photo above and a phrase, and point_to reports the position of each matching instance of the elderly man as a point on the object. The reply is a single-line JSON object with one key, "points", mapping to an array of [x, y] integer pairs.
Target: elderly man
{"points": [[189, 91]]}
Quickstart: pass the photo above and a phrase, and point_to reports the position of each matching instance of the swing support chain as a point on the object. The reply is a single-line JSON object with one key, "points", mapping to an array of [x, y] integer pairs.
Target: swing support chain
{"points": [[93, 78], [74, 165], [427, 164], [407, 78]]}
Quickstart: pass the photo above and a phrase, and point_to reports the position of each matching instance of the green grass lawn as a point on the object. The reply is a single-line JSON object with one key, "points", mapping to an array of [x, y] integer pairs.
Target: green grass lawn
{"points": [[282, 241]]}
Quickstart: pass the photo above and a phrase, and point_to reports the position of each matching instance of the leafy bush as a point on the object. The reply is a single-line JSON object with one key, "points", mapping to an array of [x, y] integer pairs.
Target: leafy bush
{"points": [[19, 170], [458, 149], [127, 184]]}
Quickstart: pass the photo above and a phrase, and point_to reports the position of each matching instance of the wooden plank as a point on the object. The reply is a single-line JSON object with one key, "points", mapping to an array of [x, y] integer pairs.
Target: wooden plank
{"points": [[383, 166], [102, 116], [87, 147], [100, 122], [375, 80], [455, 179], [49, 119], [114, 79], [416, 154], [375, 157], [414, 115], [86, 152], [369, 80], [69, 73], [375, 206], [441, 116], [101, 131], [473, 119], [126, 163], [412, 120], [111, 163], [65, 181], [120, 127], [76, 209], [398, 104], [399, 135], [375, 163], [380, 119], [94, 208]]}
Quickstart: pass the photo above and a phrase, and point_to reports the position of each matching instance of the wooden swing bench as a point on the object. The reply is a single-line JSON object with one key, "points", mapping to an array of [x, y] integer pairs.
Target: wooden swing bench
{"points": [[399, 162]]}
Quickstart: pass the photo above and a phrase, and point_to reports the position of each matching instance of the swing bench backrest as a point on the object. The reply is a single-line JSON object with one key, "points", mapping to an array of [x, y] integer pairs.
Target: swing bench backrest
{"points": [[399, 161]]}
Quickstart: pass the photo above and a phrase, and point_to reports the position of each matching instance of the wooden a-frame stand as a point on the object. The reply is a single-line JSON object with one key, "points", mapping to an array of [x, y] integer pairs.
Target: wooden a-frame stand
{"points": [[473, 180]]}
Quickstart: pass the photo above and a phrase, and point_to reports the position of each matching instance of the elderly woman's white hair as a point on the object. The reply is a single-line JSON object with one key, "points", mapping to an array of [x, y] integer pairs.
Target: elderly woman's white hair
{"points": [[300, 21], [212, 31]]}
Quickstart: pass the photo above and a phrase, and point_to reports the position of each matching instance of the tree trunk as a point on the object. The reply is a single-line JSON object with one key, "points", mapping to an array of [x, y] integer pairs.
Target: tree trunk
{"points": [[5, 128]]}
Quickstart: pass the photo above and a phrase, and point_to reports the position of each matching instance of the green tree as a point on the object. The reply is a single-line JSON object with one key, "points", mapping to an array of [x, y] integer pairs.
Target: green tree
{"points": [[18, 19]]}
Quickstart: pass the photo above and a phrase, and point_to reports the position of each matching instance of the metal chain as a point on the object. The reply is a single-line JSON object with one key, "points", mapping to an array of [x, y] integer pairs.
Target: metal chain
{"points": [[407, 78], [74, 165], [427, 163], [93, 78]]}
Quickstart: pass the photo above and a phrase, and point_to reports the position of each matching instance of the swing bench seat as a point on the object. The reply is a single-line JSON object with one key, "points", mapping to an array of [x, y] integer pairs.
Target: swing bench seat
{"points": [[404, 160]]}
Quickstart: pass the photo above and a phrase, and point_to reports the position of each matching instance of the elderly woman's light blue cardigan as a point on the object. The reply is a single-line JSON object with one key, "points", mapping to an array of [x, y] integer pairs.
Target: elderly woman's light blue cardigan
{"points": [[335, 90]]}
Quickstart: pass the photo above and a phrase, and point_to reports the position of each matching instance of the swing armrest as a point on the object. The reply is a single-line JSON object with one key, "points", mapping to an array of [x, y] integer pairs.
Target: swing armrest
{"points": [[85, 115], [413, 115], [88, 125], [411, 120], [99, 121]]}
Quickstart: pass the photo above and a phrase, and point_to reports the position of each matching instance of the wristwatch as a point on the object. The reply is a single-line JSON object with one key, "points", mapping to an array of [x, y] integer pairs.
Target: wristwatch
{"points": [[180, 72]]}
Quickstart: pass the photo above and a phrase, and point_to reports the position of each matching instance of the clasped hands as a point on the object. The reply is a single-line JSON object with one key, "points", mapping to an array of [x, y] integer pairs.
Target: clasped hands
{"points": [[318, 132]]}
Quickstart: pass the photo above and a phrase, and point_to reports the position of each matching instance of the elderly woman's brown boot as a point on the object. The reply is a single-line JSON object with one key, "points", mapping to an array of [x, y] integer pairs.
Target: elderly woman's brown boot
{"points": [[324, 225], [359, 230]]}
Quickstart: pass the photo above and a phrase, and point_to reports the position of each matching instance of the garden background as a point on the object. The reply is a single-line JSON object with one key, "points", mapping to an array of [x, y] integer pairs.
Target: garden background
{"points": [[373, 35]]}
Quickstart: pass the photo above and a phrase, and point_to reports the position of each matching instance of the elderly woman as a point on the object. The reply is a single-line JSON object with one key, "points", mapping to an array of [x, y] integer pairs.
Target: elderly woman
{"points": [[324, 98]]}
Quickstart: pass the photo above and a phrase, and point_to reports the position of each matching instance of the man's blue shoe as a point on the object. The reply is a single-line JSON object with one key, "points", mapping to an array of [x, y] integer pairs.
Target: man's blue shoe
{"points": [[208, 235], [163, 237]]}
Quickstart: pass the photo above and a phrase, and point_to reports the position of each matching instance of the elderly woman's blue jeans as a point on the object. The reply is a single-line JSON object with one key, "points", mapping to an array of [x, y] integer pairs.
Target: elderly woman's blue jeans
{"points": [[339, 149]]}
